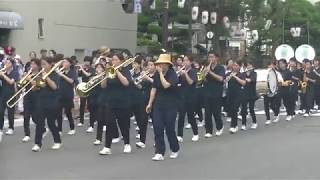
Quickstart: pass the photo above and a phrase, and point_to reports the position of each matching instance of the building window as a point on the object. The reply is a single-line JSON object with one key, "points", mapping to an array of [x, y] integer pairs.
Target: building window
{"points": [[40, 28]]}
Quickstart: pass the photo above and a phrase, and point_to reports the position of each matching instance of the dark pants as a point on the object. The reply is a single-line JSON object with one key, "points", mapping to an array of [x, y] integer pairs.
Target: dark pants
{"points": [[94, 114], [3, 107], [272, 103], [308, 100], [66, 104], [50, 115], [140, 114], [317, 95], [28, 113], [233, 103], [102, 121], [187, 108], [164, 120], [83, 103], [199, 103], [244, 111], [212, 107], [122, 115], [289, 101]]}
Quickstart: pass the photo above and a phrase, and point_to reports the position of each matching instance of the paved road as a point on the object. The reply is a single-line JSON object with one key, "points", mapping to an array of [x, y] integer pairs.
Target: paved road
{"points": [[287, 150]]}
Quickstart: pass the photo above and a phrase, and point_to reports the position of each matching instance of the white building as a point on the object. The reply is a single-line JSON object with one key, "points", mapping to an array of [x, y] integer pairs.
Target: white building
{"points": [[72, 27]]}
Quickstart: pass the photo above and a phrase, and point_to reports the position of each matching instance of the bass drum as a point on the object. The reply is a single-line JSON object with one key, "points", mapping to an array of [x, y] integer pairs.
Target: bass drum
{"points": [[267, 82]]}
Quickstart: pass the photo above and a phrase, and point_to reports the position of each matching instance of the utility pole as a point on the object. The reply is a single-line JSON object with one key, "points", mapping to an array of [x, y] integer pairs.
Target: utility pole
{"points": [[190, 3], [165, 22]]}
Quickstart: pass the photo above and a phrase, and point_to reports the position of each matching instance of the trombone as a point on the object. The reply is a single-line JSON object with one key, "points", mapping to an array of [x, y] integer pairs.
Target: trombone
{"points": [[83, 89], [23, 88]]}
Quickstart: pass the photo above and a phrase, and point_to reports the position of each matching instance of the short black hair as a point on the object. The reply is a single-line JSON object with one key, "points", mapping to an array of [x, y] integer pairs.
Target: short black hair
{"points": [[214, 52], [36, 61], [88, 59]]}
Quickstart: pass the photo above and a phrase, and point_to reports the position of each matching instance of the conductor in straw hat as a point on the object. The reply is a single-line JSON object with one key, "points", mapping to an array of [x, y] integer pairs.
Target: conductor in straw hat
{"points": [[163, 100]]}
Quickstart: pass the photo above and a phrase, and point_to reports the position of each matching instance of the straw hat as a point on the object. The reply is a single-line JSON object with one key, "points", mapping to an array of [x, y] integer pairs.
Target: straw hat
{"points": [[164, 58]]}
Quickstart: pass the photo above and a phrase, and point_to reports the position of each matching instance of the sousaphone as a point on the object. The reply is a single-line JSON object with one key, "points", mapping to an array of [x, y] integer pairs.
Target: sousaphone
{"points": [[284, 51], [305, 51]]}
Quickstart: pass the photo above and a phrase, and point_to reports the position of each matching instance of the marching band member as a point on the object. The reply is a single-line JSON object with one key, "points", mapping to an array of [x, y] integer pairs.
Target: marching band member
{"points": [[309, 77], [188, 80], [163, 100], [288, 88], [212, 94], [9, 76], [147, 83], [138, 104], [236, 81], [118, 106], [198, 105], [85, 72], [317, 84], [250, 97], [67, 81], [47, 105], [272, 100], [30, 99]]}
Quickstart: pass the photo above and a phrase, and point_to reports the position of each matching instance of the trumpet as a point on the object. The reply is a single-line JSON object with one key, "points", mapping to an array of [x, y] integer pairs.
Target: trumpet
{"points": [[180, 70], [288, 83], [138, 80], [83, 89]]}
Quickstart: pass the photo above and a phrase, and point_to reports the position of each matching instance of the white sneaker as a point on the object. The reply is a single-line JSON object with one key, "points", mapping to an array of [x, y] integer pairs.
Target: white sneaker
{"points": [[137, 128], [150, 120], [105, 151], [127, 148], [158, 157], [233, 130], [9, 132], [219, 132], [277, 119], [195, 138], [180, 139], [56, 146], [288, 118], [306, 115], [138, 136], [72, 132], [268, 122], [104, 128], [79, 124], [116, 140], [174, 155], [26, 139], [90, 130], [133, 118], [196, 116], [60, 133], [254, 126], [1, 134], [140, 145], [208, 135], [188, 126], [201, 124], [228, 119], [243, 128], [97, 142], [36, 148]]}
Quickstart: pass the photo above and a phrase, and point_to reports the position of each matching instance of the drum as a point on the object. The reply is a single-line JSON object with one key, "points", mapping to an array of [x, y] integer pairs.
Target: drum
{"points": [[267, 82]]}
